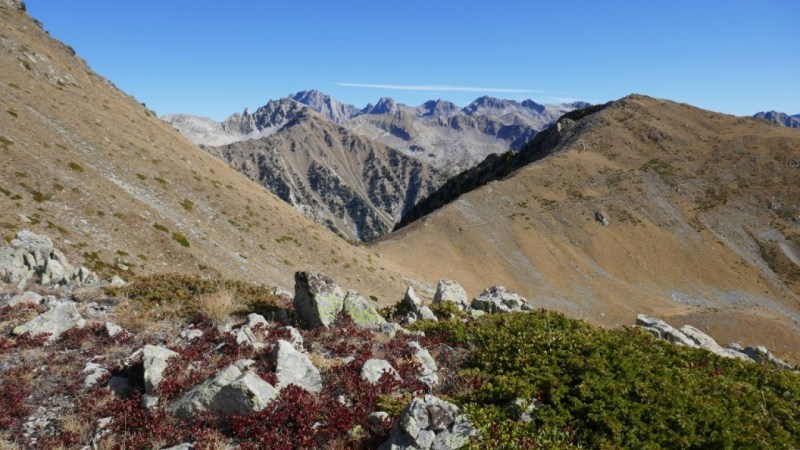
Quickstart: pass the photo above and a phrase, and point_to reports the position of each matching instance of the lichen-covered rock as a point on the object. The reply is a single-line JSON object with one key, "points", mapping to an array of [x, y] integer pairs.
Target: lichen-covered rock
{"points": [[317, 299], [294, 367], [359, 310], [61, 317], [155, 363], [94, 372], [430, 423], [113, 329], [451, 291], [497, 299], [374, 369], [25, 298], [662, 330], [428, 371]]}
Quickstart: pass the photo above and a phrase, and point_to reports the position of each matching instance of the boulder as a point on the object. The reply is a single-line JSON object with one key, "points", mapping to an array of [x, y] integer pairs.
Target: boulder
{"points": [[155, 363], [32, 256], [317, 299], [62, 316], [113, 329], [413, 303], [378, 417], [428, 371], [234, 390], [295, 338], [497, 299], [361, 312], [374, 369], [430, 423], [25, 298], [294, 367], [662, 330], [451, 291], [246, 394]]}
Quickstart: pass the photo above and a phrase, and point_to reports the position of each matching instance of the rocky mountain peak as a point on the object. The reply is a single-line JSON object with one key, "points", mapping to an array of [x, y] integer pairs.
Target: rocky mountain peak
{"points": [[326, 105], [486, 103], [384, 105], [437, 108], [780, 118]]}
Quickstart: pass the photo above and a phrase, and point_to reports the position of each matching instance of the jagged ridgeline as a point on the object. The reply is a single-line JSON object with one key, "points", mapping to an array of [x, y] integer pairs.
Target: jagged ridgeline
{"points": [[498, 166]]}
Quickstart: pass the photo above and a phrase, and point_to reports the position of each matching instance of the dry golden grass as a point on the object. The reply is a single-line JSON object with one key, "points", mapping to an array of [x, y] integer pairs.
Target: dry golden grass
{"points": [[6, 443], [218, 306], [76, 424]]}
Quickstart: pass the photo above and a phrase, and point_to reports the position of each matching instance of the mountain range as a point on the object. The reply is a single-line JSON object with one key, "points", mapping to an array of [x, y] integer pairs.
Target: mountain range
{"points": [[641, 205], [780, 118]]}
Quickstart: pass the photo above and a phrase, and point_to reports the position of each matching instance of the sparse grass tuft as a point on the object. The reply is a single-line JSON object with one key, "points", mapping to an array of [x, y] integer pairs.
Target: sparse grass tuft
{"points": [[75, 166], [160, 227], [187, 204], [217, 306], [181, 239]]}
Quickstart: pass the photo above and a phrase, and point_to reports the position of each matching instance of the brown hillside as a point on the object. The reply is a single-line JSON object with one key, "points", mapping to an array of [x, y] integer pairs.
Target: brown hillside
{"points": [[94, 169], [704, 225]]}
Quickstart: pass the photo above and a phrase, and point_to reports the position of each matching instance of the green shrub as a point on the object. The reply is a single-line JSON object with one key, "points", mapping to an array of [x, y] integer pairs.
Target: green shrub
{"points": [[614, 388], [181, 239], [160, 227], [75, 166], [187, 204]]}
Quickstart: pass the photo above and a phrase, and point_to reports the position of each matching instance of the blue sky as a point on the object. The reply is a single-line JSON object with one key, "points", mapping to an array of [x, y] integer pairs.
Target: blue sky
{"points": [[215, 58]]}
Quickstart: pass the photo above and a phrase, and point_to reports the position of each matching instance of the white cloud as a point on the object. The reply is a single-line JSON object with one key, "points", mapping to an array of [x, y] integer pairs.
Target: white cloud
{"points": [[441, 88]]}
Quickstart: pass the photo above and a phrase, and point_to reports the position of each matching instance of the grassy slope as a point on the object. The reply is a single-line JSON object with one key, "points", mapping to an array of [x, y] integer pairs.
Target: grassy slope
{"points": [[95, 170], [692, 197]]}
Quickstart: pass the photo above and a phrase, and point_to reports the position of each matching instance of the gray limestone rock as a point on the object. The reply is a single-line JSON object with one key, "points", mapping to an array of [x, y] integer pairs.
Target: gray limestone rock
{"points": [[248, 333], [155, 359], [317, 299], [451, 291], [430, 423], [361, 312], [374, 369], [113, 329], [94, 372], [705, 341], [25, 298], [497, 299], [61, 317], [294, 367], [662, 330], [760, 354], [414, 304]]}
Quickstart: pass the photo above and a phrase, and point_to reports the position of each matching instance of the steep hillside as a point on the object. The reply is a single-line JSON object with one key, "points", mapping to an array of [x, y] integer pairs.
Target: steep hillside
{"points": [[640, 206], [780, 118], [90, 166], [357, 187]]}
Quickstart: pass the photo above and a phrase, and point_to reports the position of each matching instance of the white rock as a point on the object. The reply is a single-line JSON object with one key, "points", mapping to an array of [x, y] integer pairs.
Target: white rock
{"points": [[428, 371], [61, 317], [155, 363], [451, 291], [317, 299], [113, 329], [374, 369], [293, 367]]}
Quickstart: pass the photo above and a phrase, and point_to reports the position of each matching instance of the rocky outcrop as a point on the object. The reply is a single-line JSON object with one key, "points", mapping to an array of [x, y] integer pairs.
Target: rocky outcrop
{"points": [[317, 299], [430, 423], [62, 316], [692, 337], [32, 257], [294, 367], [248, 333], [498, 299], [452, 292]]}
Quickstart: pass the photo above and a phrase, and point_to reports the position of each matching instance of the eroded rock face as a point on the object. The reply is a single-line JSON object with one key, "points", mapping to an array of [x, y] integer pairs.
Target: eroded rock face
{"points": [[497, 299], [61, 317], [317, 299], [430, 423], [451, 291], [32, 257], [294, 367], [361, 312]]}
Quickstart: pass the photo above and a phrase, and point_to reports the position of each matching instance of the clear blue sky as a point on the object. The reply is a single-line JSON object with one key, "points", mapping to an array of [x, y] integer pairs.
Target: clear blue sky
{"points": [[215, 58]]}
